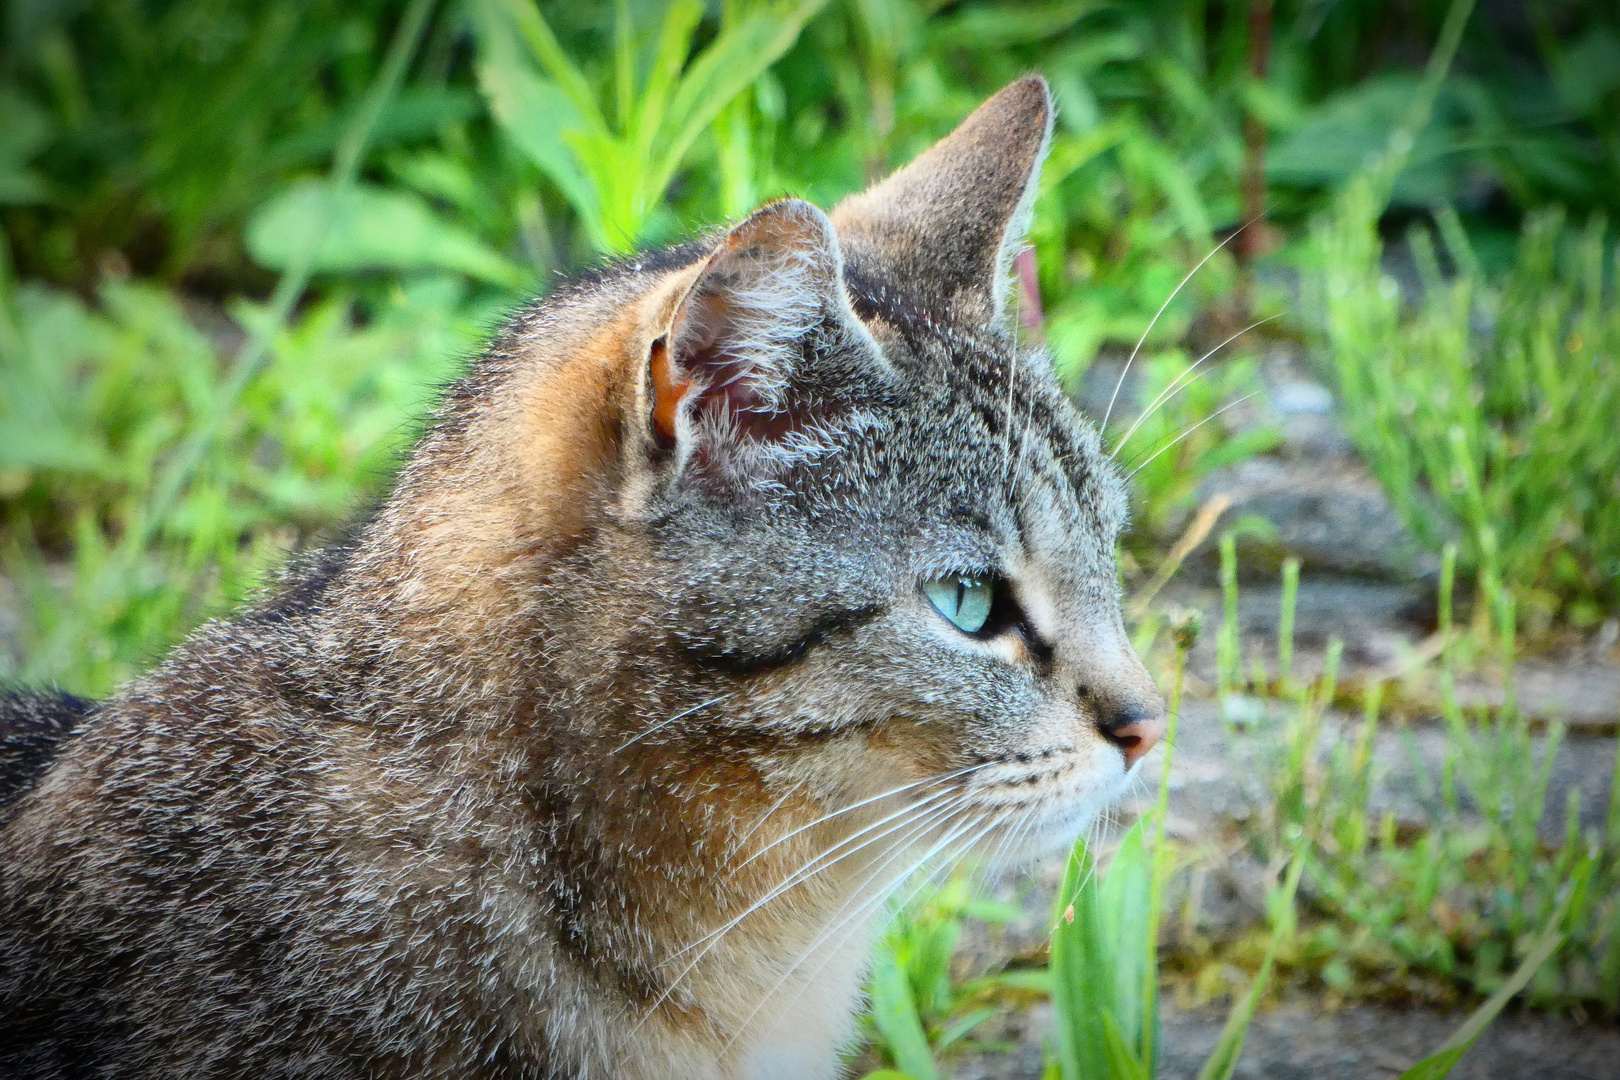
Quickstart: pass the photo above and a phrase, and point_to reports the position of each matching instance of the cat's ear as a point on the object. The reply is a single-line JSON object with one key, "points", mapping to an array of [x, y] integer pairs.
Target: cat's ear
{"points": [[729, 382], [949, 224]]}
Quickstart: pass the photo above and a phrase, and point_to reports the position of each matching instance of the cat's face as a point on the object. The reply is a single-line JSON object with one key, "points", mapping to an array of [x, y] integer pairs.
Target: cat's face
{"points": [[876, 535]]}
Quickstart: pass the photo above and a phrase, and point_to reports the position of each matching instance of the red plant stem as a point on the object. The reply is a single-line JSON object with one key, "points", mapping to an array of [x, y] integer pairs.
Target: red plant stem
{"points": [[1254, 150]]}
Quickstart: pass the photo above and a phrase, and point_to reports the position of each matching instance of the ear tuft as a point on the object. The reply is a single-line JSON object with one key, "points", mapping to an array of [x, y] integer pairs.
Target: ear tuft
{"points": [[721, 376], [951, 222]]}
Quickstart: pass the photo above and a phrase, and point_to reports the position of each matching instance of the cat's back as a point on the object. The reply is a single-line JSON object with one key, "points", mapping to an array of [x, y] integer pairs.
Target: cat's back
{"points": [[34, 727]]}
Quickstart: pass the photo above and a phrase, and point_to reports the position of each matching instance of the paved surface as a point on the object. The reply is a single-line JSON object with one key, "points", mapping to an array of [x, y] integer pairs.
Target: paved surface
{"points": [[1300, 1041]]}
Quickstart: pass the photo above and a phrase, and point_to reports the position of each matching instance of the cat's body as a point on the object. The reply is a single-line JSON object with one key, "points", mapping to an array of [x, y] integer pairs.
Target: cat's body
{"points": [[595, 752]]}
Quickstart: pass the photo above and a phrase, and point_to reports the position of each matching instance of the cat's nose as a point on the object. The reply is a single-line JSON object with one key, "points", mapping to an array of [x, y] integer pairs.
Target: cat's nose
{"points": [[1134, 727]]}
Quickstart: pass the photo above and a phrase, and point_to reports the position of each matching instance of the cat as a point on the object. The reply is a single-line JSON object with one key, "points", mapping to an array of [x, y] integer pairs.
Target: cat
{"points": [[731, 585]]}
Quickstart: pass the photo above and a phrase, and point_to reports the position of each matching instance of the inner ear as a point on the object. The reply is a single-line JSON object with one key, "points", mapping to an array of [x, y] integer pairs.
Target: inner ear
{"points": [[725, 366], [668, 389]]}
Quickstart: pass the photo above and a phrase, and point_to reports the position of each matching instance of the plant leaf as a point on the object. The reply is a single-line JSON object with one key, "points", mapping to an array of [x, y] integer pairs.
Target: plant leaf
{"points": [[362, 227], [525, 18], [723, 70], [674, 46], [1441, 1062], [536, 114], [1224, 1058], [961, 1027], [1122, 1060], [894, 1011]]}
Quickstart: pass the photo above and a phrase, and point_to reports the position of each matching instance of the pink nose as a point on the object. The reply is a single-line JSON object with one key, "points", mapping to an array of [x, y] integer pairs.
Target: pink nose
{"points": [[1136, 738]]}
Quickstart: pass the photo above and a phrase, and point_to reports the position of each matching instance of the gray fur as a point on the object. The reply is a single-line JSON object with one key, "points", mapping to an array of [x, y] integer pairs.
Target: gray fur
{"points": [[457, 799]]}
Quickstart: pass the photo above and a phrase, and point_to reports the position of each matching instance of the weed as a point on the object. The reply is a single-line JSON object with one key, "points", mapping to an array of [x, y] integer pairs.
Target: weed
{"points": [[1487, 412], [1457, 894]]}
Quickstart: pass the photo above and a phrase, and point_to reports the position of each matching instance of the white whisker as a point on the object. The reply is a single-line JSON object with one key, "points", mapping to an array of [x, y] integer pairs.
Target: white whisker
{"points": [[742, 840], [1178, 383], [1006, 432], [1080, 885], [671, 720], [864, 802], [809, 868], [713, 938], [822, 939], [1155, 321], [1189, 431]]}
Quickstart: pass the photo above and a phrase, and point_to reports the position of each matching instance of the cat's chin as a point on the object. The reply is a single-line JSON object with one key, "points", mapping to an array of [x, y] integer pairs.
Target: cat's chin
{"points": [[1047, 832]]}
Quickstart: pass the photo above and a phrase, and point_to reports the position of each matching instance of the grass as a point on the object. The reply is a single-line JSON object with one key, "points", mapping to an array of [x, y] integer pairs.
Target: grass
{"points": [[1453, 897], [1485, 406]]}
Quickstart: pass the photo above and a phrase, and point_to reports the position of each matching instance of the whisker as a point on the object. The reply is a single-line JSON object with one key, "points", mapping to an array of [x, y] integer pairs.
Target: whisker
{"points": [[918, 826], [1006, 428], [809, 869], [671, 720], [942, 777], [1023, 442], [881, 895], [982, 878], [1006, 844], [1025, 827], [1155, 321], [714, 937], [1178, 383], [1189, 431], [742, 840], [1080, 886]]}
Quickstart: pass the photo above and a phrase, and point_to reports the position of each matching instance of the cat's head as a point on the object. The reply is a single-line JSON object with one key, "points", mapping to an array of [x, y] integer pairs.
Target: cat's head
{"points": [[851, 534]]}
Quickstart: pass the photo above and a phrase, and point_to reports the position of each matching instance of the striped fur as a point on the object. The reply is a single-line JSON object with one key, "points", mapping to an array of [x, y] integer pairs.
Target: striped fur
{"points": [[597, 748]]}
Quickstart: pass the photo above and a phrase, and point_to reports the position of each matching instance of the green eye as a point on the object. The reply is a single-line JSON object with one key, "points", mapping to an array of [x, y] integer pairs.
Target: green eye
{"points": [[965, 601]]}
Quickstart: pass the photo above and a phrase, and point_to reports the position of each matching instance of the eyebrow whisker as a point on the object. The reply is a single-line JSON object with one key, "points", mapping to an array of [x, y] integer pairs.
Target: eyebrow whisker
{"points": [[1155, 320]]}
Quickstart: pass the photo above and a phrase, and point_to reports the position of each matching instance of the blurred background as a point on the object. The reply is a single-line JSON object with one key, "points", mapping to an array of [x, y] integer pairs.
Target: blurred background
{"points": [[243, 243]]}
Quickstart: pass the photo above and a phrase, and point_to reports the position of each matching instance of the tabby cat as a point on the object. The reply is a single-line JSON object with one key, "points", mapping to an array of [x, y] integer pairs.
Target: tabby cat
{"points": [[731, 585]]}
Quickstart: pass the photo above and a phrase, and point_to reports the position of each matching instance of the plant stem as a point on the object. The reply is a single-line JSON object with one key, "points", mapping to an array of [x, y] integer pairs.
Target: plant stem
{"points": [[1254, 158]]}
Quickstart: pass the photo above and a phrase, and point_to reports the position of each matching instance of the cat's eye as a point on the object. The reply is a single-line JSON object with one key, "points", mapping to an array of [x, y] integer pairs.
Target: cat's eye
{"points": [[964, 601]]}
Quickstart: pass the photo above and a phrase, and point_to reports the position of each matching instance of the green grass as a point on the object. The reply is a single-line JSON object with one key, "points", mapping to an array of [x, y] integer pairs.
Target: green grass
{"points": [[1486, 406], [1455, 900]]}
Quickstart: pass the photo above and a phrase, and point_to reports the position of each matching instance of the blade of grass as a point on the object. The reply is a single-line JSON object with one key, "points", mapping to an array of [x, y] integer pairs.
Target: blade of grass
{"points": [[894, 1010], [1123, 1062], [1441, 1062], [1224, 1059]]}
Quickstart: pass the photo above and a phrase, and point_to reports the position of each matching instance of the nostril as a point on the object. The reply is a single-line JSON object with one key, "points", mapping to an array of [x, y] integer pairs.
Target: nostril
{"points": [[1135, 730]]}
